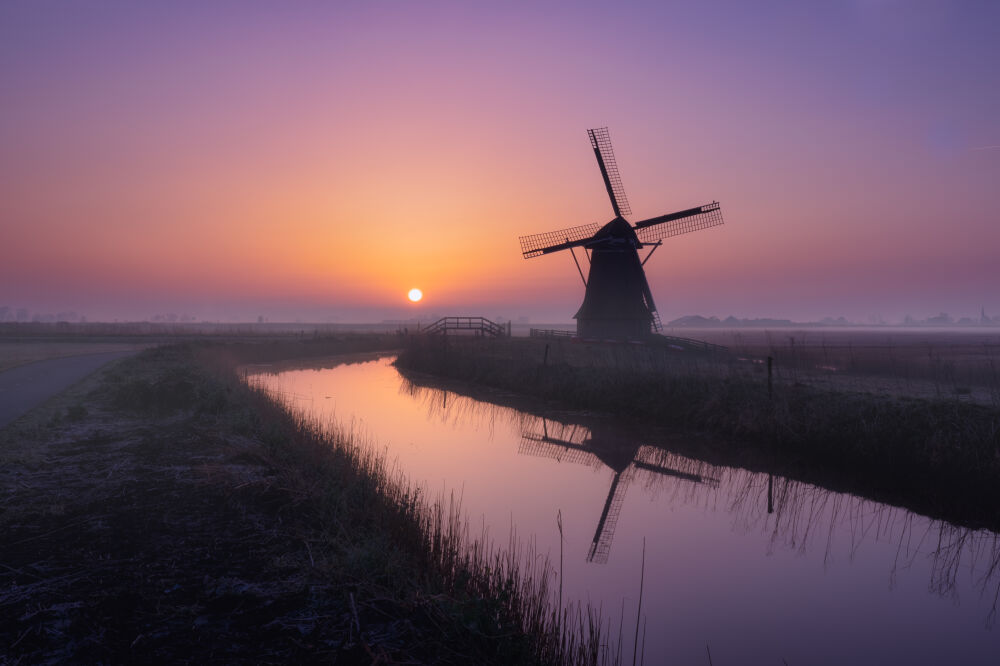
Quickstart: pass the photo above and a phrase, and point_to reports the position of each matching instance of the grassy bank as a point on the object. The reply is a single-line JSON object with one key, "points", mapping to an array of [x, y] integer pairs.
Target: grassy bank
{"points": [[164, 511], [939, 456]]}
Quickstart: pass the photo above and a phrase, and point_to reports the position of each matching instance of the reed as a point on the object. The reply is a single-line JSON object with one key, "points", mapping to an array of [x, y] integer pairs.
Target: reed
{"points": [[494, 601]]}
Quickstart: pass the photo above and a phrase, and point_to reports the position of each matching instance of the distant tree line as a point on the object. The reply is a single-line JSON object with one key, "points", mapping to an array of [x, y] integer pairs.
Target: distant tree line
{"points": [[23, 315], [942, 319]]}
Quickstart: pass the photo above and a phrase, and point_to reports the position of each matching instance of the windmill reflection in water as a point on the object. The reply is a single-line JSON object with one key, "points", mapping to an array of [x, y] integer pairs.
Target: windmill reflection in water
{"points": [[792, 514], [603, 445]]}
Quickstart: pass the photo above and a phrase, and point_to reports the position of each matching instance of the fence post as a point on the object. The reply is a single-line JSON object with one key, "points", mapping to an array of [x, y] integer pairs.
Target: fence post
{"points": [[770, 384]]}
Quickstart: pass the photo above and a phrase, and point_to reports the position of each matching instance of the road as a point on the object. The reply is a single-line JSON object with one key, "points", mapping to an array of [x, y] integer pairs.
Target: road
{"points": [[27, 386]]}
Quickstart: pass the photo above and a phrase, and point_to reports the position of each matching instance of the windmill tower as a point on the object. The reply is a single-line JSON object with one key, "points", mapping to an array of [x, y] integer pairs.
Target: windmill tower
{"points": [[617, 302]]}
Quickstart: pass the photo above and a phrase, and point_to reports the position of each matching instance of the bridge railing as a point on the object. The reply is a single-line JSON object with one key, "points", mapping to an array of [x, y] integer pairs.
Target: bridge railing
{"points": [[549, 333], [480, 324], [699, 345]]}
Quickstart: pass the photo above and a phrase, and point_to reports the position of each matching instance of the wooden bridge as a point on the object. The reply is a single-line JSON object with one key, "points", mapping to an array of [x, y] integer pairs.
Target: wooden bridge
{"points": [[550, 333], [478, 325]]}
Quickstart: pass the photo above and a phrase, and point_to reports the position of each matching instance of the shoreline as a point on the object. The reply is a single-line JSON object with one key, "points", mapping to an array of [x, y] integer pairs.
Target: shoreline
{"points": [[941, 457], [164, 510]]}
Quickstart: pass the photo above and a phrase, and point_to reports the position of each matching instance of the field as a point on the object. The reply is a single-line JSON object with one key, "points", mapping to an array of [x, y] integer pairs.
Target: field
{"points": [[916, 362]]}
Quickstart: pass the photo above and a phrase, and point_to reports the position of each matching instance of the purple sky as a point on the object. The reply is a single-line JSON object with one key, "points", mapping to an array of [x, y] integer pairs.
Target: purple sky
{"points": [[316, 162]]}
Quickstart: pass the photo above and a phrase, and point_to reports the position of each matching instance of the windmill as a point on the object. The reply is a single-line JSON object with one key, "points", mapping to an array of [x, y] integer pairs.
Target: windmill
{"points": [[617, 302], [595, 447]]}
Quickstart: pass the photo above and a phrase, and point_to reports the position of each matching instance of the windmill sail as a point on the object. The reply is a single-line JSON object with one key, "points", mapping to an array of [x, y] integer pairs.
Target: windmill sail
{"points": [[600, 141], [600, 548], [617, 302], [553, 241], [681, 222], [559, 450]]}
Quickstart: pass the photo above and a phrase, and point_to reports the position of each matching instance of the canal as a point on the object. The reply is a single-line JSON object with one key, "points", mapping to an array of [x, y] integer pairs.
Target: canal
{"points": [[747, 566]]}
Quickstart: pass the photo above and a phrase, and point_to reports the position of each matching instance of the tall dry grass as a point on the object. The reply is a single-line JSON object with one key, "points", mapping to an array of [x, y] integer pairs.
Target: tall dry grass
{"points": [[499, 594]]}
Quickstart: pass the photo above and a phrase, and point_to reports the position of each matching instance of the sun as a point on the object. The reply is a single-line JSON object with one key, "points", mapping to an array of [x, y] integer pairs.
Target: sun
{"points": [[415, 295]]}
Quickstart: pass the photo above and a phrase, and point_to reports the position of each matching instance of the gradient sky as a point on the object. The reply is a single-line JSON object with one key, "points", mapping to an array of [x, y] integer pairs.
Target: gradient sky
{"points": [[317, 160]]}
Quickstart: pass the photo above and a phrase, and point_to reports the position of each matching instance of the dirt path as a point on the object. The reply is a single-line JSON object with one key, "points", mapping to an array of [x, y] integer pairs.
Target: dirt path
{"points": [[27, 386]]}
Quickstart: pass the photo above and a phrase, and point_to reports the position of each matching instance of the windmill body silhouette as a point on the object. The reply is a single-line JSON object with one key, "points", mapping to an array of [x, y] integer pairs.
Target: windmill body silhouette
{"points": [[618, 303]]}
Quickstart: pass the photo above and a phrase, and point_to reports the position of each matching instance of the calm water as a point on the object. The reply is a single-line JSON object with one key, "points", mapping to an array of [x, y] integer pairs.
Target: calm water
{"points": [[826, 578]]}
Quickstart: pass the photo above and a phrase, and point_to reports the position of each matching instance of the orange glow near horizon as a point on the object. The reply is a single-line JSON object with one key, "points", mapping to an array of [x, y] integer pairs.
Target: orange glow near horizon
{"points": [[330, 168]]}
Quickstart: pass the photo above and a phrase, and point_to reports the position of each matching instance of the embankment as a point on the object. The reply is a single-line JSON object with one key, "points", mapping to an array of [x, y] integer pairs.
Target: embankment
{"points": [[940, 457], [164, 511]]}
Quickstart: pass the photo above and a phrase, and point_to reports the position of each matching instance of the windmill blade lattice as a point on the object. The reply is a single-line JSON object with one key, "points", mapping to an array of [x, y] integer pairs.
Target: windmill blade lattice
{"points": [[676, 224], [542, 447], [600, 548], [600, 141], [539, 244]]}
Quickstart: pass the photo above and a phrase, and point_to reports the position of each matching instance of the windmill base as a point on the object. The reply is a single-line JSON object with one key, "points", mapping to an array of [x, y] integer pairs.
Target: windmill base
{"points": [[613, 329]]}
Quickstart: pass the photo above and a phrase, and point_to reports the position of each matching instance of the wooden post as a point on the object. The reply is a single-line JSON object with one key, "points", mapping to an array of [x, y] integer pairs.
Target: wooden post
{"points": [[770, 384], [545, 359], [770, 493]]}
